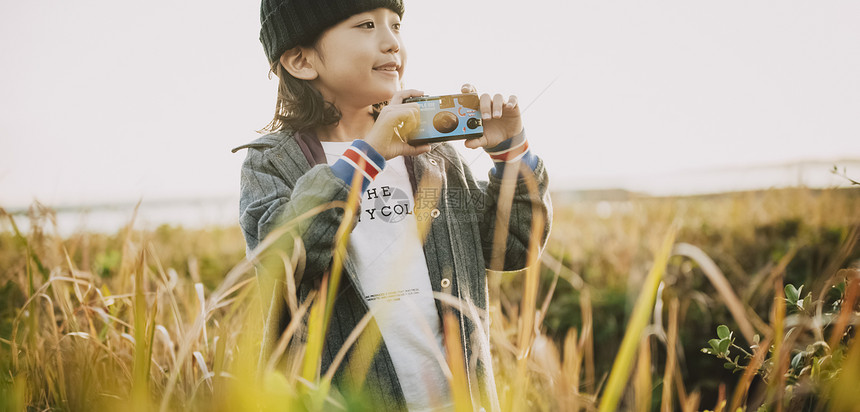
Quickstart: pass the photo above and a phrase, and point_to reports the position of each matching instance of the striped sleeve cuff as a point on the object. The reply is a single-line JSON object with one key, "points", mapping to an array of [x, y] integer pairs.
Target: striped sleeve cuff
{"points": [[512, 150], [359, 158]]}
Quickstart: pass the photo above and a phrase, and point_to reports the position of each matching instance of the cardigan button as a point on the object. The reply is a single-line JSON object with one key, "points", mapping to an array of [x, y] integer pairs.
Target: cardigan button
{"points": [[446, 282], [433, 162], [435, 213]]}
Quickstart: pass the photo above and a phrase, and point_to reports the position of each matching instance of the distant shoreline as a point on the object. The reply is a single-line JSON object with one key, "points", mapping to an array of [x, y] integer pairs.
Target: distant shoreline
{"points": [[223, 212]]}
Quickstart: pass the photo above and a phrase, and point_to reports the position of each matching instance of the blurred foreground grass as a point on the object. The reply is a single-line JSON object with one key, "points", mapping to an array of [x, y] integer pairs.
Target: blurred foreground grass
{"points": [[171, 319]]}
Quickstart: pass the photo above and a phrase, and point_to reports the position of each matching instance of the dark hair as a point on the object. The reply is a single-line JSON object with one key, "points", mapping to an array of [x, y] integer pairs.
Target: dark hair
{"points": [[300, 106]]}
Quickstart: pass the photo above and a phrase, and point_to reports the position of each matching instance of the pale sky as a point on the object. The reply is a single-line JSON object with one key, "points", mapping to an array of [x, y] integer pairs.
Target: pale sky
{"points": [[108, 101]]}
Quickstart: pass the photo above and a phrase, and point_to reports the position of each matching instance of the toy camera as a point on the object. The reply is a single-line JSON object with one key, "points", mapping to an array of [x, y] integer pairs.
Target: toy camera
{"points": [[448, 117]]}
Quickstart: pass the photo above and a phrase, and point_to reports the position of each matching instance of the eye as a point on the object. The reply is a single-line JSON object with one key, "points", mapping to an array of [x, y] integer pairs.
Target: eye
{"points": [[367, 25], [396, 26]]}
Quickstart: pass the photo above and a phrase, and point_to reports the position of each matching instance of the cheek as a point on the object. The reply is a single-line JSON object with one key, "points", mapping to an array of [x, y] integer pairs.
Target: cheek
{"points": [[345, 69]]}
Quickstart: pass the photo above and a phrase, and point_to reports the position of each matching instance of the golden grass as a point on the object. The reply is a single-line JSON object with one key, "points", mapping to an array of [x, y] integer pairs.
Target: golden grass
{"points": [[153, 336]]}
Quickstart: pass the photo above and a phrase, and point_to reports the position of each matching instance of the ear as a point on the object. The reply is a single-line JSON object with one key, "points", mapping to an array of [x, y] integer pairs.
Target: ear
{"points": [[299, 62]]}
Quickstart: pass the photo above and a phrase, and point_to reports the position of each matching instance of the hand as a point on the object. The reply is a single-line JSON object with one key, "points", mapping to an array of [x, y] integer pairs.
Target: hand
{"points": [[501, 119], [394, 125]]}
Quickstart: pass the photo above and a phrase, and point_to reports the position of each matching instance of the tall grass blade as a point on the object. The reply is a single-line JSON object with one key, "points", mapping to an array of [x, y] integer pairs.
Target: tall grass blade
{"points": [[140, 385], [777, 379], [752, 368], [638, 320], [316, 334], [295, 322], [642, 382], [322, 308], [671, 357], [852, 278], [586, 342], [503, 216], [844, 390], [367, 344], [218, 363], [718, 279], [528, 315], [201, 299], [721, 398], [571, 368], [456, 363], [692, 402], [341, 354]]}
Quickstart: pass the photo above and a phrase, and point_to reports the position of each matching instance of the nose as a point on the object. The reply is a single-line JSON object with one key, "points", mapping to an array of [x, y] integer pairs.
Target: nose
{"points": [[390, 41]]}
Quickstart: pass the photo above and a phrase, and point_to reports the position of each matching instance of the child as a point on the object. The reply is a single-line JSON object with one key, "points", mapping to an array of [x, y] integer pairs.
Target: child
{"points": [[339, 113]]}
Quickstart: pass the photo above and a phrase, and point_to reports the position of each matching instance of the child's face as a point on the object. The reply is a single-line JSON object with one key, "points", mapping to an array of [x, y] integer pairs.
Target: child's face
{"points": [[360, 61]]}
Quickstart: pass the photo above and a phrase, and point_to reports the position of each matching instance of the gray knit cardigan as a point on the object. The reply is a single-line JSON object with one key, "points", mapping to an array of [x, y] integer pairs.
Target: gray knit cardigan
{"points": [[285, 174]]}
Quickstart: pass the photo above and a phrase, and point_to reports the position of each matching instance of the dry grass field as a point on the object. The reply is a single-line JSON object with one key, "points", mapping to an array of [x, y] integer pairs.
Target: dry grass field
{"points": [[621, 312]]}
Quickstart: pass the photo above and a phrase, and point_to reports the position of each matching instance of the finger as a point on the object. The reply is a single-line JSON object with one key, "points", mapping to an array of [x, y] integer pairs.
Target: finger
{"points": [[411, 120], [398, 134], [498, 104], [395, 115], [486, 106], [416, 116], [399, 118], [476, 143], [468, 88], [402, 94], [512, 102], [403, 119], [416, 150]]}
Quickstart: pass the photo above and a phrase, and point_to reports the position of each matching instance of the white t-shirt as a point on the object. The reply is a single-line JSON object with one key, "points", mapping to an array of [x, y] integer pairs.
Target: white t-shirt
{"points": [[396, 284]]}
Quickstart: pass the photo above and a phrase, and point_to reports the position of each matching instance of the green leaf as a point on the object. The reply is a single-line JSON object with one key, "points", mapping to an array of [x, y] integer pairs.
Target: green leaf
{"points": [[806, 302], [723, 331], [791, 294], [724, 345], [715, 345], [797, 361], [729, 365]]}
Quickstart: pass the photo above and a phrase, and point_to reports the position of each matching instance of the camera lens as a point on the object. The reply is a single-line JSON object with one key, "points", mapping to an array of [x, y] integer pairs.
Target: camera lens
{"points": [[473, 123], [445, 122]]}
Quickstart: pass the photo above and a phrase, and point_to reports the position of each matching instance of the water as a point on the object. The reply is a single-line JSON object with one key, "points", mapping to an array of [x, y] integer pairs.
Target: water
{"points": [[194, 213], [813, 174], [223, 211]]}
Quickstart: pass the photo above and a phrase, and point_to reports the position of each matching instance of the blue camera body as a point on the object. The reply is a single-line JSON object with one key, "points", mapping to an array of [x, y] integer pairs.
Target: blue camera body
{"points": [[448, 117]]}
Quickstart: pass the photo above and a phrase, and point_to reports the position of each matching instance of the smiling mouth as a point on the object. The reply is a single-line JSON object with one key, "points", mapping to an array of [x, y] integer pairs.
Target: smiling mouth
{"points": [[388, 71], [388, 68]]}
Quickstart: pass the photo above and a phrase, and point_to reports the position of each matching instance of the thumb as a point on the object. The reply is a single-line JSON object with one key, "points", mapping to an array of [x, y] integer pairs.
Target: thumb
{"points": [[409, 150], [476, 143]]}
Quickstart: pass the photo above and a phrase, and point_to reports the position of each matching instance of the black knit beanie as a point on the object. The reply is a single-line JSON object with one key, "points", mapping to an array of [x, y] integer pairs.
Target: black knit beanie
{"points": [[290, 23]]}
